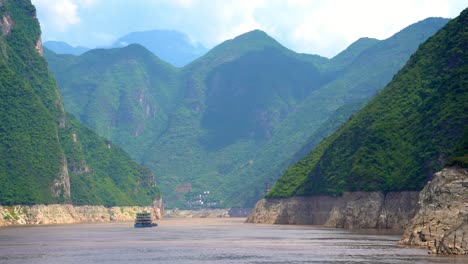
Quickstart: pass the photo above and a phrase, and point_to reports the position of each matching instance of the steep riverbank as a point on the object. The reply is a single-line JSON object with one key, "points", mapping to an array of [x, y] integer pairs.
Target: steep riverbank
{"points": [[70, 214], [441, 222], [436, 218], [352, 210]]}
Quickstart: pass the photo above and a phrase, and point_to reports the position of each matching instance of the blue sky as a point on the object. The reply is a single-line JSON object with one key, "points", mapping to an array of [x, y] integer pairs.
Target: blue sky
{"points": [[323, 27]]}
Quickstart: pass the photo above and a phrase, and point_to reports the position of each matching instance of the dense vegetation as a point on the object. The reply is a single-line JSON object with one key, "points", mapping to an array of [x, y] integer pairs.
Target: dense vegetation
{"points": [[102, 173], [43, 151], [414, 127], [230, 121]]}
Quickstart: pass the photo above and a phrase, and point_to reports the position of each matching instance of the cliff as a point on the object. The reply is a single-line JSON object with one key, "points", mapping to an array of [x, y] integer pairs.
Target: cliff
{"points": [[352, 210], [441, 221], [70, 214], [47, 156], [436, 217]]}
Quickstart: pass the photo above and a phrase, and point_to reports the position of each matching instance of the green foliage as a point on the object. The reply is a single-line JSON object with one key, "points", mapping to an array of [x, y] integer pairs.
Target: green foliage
{"points": [[102, 173], [36, 142], [29, 147], [414, 127], [230, 121]]}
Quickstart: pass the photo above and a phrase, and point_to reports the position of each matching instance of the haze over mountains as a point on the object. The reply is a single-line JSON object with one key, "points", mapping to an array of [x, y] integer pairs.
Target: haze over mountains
{"points": [[233, 119], [61, 47], [169, 45]]}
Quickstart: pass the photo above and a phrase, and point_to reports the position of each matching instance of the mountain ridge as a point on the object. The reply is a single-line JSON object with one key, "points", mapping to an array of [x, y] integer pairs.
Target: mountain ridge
{"points": [[192, 138], [61, 47], [412, 128], [170, 45]]}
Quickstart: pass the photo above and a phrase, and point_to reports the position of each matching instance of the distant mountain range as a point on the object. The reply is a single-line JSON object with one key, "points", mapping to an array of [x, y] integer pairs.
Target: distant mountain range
{"points": [[169, 45], [61, 47], [232, 120]]}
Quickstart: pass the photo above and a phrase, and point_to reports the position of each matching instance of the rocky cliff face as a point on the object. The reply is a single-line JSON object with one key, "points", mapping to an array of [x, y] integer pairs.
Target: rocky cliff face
{"points": [[436, 217], [441, 221], [353, 210], [69, 214]]}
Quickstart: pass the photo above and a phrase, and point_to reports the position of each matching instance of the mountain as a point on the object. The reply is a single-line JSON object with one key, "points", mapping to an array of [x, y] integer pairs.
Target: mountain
{"points": [[61, 47], [47, 155], [414, 127], [231, 120], [126, 94], [170, 45]]}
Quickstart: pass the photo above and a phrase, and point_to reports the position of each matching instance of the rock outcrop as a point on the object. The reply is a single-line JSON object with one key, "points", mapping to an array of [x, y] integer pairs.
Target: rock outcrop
{"points": [[353, 210], [441, 221], [70, 214], [6, 23]]}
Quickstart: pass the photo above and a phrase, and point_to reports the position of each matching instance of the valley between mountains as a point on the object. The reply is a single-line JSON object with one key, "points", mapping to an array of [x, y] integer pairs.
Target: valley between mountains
{"points": [[234, 119]]}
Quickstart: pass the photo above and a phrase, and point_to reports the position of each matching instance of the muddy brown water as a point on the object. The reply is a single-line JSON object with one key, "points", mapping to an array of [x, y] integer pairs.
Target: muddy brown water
{"points": [[206, 240]]}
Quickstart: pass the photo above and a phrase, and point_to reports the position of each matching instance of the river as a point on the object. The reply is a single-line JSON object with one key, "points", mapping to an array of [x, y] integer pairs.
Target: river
{"points": [[205, 240]]}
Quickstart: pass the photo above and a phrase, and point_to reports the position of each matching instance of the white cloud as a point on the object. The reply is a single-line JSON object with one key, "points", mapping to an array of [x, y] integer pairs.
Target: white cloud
{"points": [[236, 18], [323, 27], [87, 3], [102, 37], [58, 15], [182, 3]]}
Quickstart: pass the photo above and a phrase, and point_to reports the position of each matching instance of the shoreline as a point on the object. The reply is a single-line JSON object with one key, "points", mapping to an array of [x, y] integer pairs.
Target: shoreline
{"points": [[19, 215]]}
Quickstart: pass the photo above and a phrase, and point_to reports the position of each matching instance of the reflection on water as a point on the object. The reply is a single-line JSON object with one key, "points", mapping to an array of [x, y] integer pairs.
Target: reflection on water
{"points": [[204, 241]]}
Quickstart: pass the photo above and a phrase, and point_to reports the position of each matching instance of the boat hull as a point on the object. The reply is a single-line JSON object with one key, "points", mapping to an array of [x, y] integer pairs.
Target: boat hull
{"points": [[139, 225]]}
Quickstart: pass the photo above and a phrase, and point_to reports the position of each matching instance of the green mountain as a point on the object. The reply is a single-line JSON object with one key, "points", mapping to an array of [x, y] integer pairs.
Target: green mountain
{"points": [[411, 129], [125, 94], [171, 46], [231, 120], [47, 156]]}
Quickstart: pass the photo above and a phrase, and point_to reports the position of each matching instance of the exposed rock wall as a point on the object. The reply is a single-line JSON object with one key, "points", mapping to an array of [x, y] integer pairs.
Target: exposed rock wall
{"points": [[69, 214], [61, 185], [38, 47], [352, 210], [6, 23], [441, 222]]}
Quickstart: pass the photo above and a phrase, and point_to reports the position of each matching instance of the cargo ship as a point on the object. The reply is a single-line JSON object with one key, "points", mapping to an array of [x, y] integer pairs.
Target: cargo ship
{"points": [[144, 220]]}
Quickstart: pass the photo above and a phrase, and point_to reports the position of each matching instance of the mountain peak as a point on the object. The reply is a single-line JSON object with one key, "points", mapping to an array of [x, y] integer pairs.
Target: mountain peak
{"points": [[171, 46], [255, 38], [256, 33], [248, 42]]}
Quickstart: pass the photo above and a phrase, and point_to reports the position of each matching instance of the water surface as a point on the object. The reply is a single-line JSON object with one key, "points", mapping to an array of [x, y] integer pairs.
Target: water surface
{"points": [[225, 240]]}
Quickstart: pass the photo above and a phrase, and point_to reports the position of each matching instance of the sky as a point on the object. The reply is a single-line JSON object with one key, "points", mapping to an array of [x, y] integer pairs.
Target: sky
{"points": [[323, 27]]}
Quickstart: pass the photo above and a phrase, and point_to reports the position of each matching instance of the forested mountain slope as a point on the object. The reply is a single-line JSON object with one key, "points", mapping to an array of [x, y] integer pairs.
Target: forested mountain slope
{"points": [[231, 120], [414, 127], [47, 156]]}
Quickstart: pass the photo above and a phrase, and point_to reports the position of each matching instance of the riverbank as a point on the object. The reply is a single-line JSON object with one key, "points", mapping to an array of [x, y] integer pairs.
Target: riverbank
{"points": [[70, 214], [352, 210], [207, 213], [441, 222], [435, 218]]}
